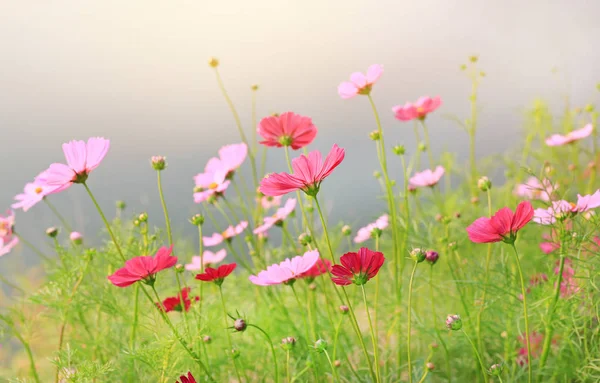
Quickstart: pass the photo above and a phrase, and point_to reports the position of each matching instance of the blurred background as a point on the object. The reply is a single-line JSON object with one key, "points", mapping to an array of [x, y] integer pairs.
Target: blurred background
{"points": [[136, 72]]}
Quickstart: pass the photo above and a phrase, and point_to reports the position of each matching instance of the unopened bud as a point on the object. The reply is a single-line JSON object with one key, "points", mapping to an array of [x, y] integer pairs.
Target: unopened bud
{"points": [[76, 238], [474, 200], [288, 343], [239, 325], [377, 174], [484, 184], [52, 232], [179, 268], [432, 256], [321, 345], [213, 62], [254, 87], [375, 135], [143, 217], [589, 108], [346, 230], [207, 339], [412, 189], [121, 205], [399, 150], [446, 220], [337, 363], [158, 162], [312, 286], [496, 369], [473, 58], [304, 239], [197, 220], [453, 322], [430, 366], [572, 167], [310, 208], [344, 309], [235, 353], [136, 222], [417, 255], [439, 217], [422, 147]]}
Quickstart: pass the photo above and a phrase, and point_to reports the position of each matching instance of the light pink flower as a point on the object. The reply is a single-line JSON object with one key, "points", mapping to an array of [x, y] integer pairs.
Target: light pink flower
{"points": [[33, 193], [575, 135], [268, 202], [277, 218], [360, 83], [232, 157], [7, 224], [427, 177], [534, 189], [229, 233], [81, 159], [587, 202], [365, 233], [288, 129], [419, 109], [564, 209], [7, 246], [309, 172], [286, 271], [210, 184], [208, 257]]}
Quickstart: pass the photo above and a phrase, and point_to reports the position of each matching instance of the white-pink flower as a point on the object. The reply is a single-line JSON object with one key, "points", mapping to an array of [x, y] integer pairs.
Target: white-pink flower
{"points": [[534, 189], [229, 233], [286, 271], [268, 202], [277, 218], [208, 258], [365, 233], [561, 209], [360, 83], [427, 177], [575, 135]]}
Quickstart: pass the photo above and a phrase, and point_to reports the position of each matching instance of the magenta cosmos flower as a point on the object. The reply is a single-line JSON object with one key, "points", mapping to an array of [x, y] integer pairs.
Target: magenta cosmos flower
{"points": [[357, 268], [287, 271], [418, 110], [208, 258], [360, 83], [309, 172], [534, 189], [227, 235], [427, 177], [288, 129], [81, 158], [143, 268], [502, 226], [575, 135], [367, 232], [562, 209], [277, 218]]}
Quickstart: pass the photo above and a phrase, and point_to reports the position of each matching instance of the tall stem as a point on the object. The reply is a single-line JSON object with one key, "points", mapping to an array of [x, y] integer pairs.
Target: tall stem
{"points": [[272, 350], [228, 335], [408, 320], [135, 317], [358, 334], [373, 335], [325, 232], [58, 215], [333, 370], [486, 278], [25, 346], [31, 246], [427, 143], [483, 370], [287, 366], [435, 319], [524, 293], [164, 206], [551, 309]]}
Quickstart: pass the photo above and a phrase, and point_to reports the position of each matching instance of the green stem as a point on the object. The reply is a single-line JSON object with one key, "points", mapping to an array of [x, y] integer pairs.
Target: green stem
{"points": [[228, 335], [10, 284], [299, 303], [524, 293], [110, 232], [164, 206], [25, 346], [483, 370], [333, 370], [486, 278], [325, 232], [551, 309], [182, 303], [31, 246], [135, 317], [427, 143], [272, 350], [287, 366], [373, 335], [408, 319], [58, 215], [437, 331]]}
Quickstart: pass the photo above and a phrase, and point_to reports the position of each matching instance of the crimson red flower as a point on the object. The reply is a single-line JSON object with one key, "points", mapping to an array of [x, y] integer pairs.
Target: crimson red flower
{"points": [[321, 267], [357, 268], [174, 303], [216, 275], [502, 226], [143, 268], [186, 379]]}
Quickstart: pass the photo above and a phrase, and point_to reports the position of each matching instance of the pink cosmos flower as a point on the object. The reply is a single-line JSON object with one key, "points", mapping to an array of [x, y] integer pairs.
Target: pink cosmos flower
{"points": [[210, 184], [227, 235], [563, 209], [81, 159], [502, 226], [288, 129], [7, 224], [549, 247], [143, 268], [360, 83], [287, 271], [419, 109], [232, 157], [269, 202], [7, 246], [367, 232], [277, 218], [427, 177], [568, 286], [575, 135], [534, 189], [536, 341], [308, 174], [33, 193], [208, 257]]}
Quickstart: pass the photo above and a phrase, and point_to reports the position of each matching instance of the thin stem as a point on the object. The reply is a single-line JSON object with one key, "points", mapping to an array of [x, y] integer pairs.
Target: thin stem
{"points": [[483, 370], [272, 349], [62, 219], [10, 284], [408, 319], [164, 206], [25, 346], [486, 278], [333, 370], [228, 335], [110, 232], [524, 293], [437, 331], [373, 335], [287, 366], [31, 246], [426, 369], [324, 229], [135, 317], [426, 134], [182, 303], [551, 309], [299, 303]]}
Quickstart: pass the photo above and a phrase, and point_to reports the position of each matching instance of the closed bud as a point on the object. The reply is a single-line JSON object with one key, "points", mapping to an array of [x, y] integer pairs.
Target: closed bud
{"points": [[254, 87], [496, 369], [121, 205], [197, 220], [337, 363], [474, 200], [346, 230], [399, 150], [213, 62], [179, 268], [463, 67], [473, 58], [375, 135], [417, 255], [288, 343], [143, 217], [312, 286], [484, 184], [310, 208], [239, 325], [433, 346], [589, 108], [422, 147], [235, 353], [376, 233], [52, 232], [439, 217], [457, 215], [453, 322], [446, 220], [430, 366], [321, 345], [207, 339], [158, 162], [572, 167], [136, 222], [432, 256], [76, 238], [304, 239], [344, 309]]}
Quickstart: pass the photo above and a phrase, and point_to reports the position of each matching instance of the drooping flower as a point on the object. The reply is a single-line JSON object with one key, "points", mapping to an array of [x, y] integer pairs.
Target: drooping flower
{"points": [[277, 218], [217, 275], [143, 268], [228, 234], [174, 303], [268, 202], [575, 135], [419, 109], [309, 172], [427, 177], [287, 271], [81, 158], [287, 129], [502, 226], [321, 267], [372, 229], [560, 210], [358, 267], [534, 189], [189, 378], [209, 258], [360, 83]]}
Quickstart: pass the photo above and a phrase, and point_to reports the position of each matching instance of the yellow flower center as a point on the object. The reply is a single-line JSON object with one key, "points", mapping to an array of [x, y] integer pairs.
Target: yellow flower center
{"points": [[213, 186], [38, 190]]}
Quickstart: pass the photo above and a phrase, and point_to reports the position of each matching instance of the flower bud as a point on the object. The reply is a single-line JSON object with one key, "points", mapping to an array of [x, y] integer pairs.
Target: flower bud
{"points": [[239, 325], [179, 268], [288, 343], [589, 108], [412, 189], [473, 58], [463, 67], [439, 217], [136, 222], [197, 220], [143, 217], [121, 205], [52, 232], [312, 286], [431, 256], [309, 208], [422, 147], [417, 255], [304, 239], [377, 174], [376, 233], [453, 322], [430, 366], [321, 345], [484, 184], [337, 363], [375, 135], [344, 309], [446, 220], [457, 215], [474, 200], [213, 62], [254, 87], [207, 339], [235, 353], [433, 346], [496, 369], [346, 230], [572, 167], [158, 162], [76, 238], [399, 150]]}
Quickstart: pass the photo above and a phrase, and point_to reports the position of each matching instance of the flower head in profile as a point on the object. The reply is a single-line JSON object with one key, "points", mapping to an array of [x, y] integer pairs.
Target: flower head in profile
{"points": [[81, 158], [288, 129], [174, 303], [227, 235], [277, 218], [418, 110], [502, 226], [358, 267], [561, 210], [33, 192], [575, 135], [208, 258], [287, 271], [360, 83], [189, 378], [372, 229], [321, 267], [427, 177], [534, 189], [143, 268], [217, 275], [309, 172]]}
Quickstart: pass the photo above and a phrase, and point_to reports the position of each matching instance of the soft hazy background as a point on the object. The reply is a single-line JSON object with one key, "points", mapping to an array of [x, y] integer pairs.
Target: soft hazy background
{"points": [[136, 72]]}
